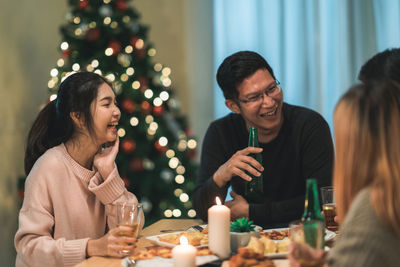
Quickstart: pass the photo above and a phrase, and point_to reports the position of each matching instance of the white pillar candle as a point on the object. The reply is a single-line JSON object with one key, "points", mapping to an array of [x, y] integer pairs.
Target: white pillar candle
{"points": [[184, 255], [219, 218]]}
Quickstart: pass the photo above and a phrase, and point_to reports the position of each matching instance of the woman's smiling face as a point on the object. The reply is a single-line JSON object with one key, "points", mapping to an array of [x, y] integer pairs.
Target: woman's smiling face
{"points": [[105, 114]]}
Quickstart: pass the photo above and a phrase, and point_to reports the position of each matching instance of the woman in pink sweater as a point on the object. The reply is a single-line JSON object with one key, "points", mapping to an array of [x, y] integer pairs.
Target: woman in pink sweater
{"points": [[72, 184]]}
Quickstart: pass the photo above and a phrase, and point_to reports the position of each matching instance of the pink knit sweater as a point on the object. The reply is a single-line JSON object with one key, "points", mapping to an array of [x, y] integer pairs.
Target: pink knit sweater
{"points": [[65, 205]]}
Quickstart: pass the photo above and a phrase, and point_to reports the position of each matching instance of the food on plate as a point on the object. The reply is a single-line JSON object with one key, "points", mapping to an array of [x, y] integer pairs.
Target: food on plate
{"points": [[143, 254], [169, 238], [256, 245], [164, 252], [269, 245], [161, 251], [204, 252], [276, 235], [283, 246], [194, 238], [205, 230], [248, 257]]}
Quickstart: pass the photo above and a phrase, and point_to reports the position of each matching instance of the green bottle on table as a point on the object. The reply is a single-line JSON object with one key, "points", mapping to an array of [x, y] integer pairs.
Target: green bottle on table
{"points": [[312, 213], [255, 187]]}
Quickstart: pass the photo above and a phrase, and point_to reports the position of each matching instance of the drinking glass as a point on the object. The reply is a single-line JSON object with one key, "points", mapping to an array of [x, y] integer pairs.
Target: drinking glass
{"points": [[329, 208], [129, 214], [310, 232]]}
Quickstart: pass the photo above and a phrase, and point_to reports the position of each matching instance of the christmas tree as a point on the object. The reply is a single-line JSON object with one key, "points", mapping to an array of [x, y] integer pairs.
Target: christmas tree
{"points": [[156, 157]]}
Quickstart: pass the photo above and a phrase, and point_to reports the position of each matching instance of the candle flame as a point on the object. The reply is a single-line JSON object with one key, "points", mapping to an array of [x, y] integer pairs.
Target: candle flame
{"points": [[183, 240], [218, 201]]}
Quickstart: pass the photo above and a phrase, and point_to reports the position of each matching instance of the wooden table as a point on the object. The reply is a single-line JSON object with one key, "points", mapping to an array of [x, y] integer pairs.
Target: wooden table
{"points": [[154, 229]]}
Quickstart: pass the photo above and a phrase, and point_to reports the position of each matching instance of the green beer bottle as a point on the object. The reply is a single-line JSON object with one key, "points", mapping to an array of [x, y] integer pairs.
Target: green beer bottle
{"points": [[255, 187], [313, 221]]}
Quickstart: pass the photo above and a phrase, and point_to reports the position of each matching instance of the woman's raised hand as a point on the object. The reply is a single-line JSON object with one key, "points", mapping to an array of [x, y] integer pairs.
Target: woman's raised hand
{"points": [[105, 158]]}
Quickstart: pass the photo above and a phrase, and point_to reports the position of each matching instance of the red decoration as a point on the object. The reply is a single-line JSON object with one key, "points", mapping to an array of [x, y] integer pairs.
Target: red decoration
{"points": [[146, 107], [133, 41], [160, 148], [144, 83], [126, 181], [158, 111], [189, 131], [21, 193], [93, 34], [83, 4], [136, 165], [128, 145], [115, 46], [141, 52], [128, 105], [121, 5], [66, 53], [191, 153]]}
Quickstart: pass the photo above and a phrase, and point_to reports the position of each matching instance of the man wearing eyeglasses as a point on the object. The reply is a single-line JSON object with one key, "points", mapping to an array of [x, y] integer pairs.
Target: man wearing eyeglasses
{"points": [[295, 143]]}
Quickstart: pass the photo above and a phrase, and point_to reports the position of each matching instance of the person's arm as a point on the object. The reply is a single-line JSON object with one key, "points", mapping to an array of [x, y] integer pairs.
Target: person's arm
{"points": [[34, 240], [316, 148], [107, 184], [212, 157]]}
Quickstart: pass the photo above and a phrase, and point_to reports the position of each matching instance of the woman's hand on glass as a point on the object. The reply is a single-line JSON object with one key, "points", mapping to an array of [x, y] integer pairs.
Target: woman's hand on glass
{"points": [[104, 160], [301, 254], [111, 243]]}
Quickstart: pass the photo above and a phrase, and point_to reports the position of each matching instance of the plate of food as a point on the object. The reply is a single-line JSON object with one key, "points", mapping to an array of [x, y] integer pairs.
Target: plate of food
{"points": [[194, 237], [162, 256], [283, 233]]}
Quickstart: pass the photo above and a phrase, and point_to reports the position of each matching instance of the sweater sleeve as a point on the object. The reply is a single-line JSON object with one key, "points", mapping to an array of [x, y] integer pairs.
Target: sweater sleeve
{"points": [[34, 240], [211, 159], [111, 191], [364, 240]]}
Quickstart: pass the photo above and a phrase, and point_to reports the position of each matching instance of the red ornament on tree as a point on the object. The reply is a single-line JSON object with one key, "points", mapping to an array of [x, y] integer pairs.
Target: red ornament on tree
{"points": [[93, 34], [21, 193], [121, 5], [158, 111], [128, 105], [144, 82], [160, 148], [191, 153], [128, 145], [83, 4], [66, 53], [136, 165], [141, 52], [189, 131], [133, 41], [146, 107], [115, 46], [126, 181]]}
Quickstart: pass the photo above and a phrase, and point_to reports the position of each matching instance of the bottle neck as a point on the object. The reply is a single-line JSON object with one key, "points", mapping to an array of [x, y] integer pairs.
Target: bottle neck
{"points": [[312, 208], [253, 137]]}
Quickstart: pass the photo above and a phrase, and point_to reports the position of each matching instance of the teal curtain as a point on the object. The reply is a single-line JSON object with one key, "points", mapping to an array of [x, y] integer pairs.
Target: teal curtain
{"points": [[316, 47]]}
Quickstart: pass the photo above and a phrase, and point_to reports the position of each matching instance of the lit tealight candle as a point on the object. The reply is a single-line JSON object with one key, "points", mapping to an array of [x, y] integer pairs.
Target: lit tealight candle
{"points": [[184, 255], [218, 229]]}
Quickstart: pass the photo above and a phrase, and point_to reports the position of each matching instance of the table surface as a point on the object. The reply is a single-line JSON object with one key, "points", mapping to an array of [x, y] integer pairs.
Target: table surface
{"points": [[154, 229]]}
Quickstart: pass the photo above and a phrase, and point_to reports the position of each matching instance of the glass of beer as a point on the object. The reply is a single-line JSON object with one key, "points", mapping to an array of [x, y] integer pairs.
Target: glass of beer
{"points": [[129, 214], [311, 233], [329, 208]]}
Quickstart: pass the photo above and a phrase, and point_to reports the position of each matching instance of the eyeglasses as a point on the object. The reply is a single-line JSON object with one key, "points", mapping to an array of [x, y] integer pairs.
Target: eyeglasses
{"points": [[274, 90]]}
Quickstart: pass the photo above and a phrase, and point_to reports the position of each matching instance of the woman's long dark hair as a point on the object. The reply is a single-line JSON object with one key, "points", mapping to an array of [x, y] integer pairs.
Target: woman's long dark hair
{"points": [[54, 124]]}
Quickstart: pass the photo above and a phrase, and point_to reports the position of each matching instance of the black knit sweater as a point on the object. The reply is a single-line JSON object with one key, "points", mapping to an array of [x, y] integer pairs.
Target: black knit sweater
{"points": [[303, 149]]}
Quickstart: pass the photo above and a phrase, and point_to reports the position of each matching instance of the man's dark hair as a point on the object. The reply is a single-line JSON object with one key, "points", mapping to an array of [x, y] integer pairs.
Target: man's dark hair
{"points": [[384, 65], [237, 67]]}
